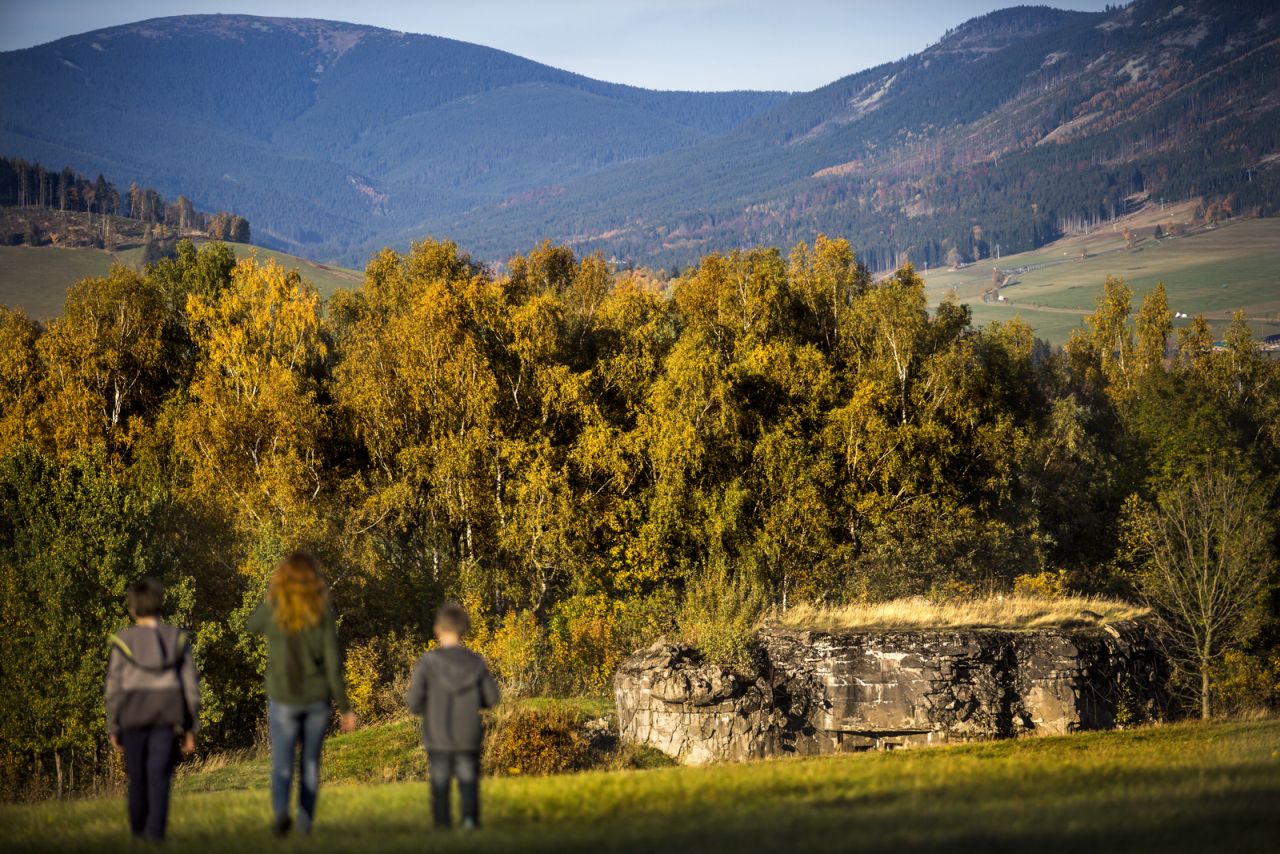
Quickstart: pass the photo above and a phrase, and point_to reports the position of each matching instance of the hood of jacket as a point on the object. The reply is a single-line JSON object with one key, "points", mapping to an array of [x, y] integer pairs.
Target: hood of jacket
{"points": [[457, 668]]}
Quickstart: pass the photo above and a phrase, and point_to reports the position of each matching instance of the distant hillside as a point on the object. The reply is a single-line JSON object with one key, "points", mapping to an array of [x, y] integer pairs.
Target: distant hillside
{"points": [[1015, 129], [36, 278], [328, 134], [38, 205], [1211, 270]]}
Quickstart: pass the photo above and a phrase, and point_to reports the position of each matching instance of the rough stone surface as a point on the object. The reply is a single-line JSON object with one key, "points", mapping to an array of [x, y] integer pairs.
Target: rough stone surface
{"points": [[693, 711], [824, 692]]}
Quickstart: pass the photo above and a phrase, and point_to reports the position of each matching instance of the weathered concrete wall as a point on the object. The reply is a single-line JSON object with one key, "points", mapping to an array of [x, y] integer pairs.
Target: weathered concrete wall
{"points": [[830, 692], [693, 711]]}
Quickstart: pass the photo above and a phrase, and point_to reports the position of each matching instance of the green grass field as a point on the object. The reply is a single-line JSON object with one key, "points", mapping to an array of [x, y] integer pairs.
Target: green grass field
{"points": [[1184, 788], [1243, 255], [36, 278]]}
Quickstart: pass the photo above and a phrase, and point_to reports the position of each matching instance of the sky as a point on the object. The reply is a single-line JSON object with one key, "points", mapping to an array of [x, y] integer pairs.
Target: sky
{"points": [[660, 44]]}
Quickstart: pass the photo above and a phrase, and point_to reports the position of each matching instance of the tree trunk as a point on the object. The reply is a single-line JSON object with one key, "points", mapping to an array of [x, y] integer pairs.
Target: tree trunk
{"points": [[1204, 692]]}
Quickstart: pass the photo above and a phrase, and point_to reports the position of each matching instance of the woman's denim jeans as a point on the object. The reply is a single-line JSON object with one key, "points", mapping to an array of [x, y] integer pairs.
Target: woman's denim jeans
{"points": [[291, 726]]}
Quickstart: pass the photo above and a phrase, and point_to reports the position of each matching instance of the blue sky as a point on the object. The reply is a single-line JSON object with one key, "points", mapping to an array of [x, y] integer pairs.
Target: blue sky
{"points": [[664, 44]]}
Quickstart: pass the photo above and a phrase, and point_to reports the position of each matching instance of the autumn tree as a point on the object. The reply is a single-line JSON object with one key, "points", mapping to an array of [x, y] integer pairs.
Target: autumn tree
{"points": [[184, 213], [1101, 355], [252, 430], [103, 361], [417, 388], [1195, 343], [1154, 324], [19, 378]]}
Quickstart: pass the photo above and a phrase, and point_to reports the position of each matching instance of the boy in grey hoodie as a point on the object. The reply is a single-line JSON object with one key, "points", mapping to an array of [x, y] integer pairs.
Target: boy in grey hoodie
{"points": [[152, 696], [451, 684]]}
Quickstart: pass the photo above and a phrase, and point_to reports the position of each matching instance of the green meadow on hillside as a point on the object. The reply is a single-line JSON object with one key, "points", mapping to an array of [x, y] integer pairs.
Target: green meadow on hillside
{"points": [[36, 279], [1235, 265], [1190, 787], [1243, 255]]}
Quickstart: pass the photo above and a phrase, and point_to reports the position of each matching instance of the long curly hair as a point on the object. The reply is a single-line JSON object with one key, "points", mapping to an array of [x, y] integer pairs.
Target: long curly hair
{"points": [[298, 593]]}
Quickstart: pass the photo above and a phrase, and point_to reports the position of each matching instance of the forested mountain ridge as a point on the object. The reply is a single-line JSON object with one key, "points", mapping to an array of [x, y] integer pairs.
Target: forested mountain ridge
{"points": [[327, 133], [1016, 128]]}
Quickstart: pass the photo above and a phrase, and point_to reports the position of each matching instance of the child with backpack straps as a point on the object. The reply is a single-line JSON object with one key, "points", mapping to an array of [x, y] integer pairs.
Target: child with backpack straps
{"points": [[152, 699]]}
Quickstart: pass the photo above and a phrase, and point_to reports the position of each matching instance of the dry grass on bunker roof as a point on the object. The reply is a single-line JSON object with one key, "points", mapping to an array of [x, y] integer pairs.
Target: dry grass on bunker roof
{"points": [[996, 612]]}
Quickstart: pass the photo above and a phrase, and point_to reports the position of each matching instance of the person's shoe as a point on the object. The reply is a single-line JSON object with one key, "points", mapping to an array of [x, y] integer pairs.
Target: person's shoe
{"points": [[469, 823], [282, 825]]}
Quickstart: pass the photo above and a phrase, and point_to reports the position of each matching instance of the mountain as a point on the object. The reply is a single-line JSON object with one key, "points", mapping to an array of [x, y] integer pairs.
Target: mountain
{"points": [[328, 134], [1015, 129]]}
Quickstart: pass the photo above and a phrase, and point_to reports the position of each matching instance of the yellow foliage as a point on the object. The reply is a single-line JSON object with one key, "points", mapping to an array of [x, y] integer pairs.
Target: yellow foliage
{"points": [[19, 378], [584, 648], [378, 671], [103, 360], [1242, 683], [1048, 584], [516, 653], [253, 428]]}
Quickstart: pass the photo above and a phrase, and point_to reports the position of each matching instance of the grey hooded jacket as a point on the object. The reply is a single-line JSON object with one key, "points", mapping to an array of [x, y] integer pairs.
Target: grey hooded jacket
{"points": [[151, 680], [450, 686]]}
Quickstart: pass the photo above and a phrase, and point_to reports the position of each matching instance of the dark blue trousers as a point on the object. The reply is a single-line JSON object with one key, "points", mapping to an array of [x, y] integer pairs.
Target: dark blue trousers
{"points": [[446, 766], [150, 755]]}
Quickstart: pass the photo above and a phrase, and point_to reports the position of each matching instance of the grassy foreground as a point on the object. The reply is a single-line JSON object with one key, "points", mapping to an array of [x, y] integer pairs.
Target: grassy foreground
{"points": [[1178, 788]]}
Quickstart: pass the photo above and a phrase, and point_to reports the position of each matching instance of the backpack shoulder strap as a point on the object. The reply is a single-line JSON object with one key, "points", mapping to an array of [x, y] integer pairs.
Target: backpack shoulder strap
{"points": [[119, 644]]}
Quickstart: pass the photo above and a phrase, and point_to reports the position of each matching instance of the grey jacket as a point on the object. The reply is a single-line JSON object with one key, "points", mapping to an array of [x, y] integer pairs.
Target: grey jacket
{"points": [[450, 686], [151, 680]]}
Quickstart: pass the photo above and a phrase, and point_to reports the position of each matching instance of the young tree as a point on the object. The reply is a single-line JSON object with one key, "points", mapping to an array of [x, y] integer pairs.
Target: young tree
{"points": [[252, 429], [1207, 568], [184, 213], [1155, 322], [1103, 356], [103, 360], [1195, 344]]}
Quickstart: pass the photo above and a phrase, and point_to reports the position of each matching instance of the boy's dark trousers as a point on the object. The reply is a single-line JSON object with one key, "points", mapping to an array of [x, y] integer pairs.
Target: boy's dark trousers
{"points": [[447, 765], [150, 755]]}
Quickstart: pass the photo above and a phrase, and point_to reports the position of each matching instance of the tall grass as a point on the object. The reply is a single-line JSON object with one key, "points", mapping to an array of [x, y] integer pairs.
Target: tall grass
{"points": [[997, 612]]}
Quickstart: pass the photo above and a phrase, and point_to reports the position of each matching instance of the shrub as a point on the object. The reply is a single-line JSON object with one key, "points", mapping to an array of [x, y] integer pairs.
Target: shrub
{"points": [[1041, 585], [935, 548], [516, 652], [378, 671], [585, 648], [544, 739], [1244, 683], [630, 756], [719, 617]]}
